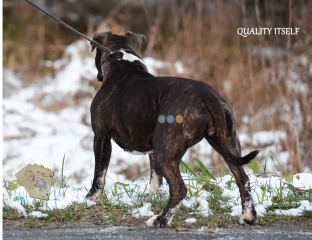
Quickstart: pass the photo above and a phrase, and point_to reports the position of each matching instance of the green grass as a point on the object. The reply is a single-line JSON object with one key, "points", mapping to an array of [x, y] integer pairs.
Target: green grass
{"points": [[109, 209]]}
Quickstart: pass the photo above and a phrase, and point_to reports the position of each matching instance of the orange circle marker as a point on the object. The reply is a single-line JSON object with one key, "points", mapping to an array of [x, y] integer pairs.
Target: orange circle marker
{"points": [[179, 118]]}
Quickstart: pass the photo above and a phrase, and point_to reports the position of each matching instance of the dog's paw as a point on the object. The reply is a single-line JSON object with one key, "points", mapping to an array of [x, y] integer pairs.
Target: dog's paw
{"points": [[152, 222], [157, 221], [249, 217], [94, 195]]}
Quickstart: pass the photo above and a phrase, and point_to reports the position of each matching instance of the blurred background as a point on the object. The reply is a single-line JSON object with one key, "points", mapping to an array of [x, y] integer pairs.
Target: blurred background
{"points": [[50, 78]]}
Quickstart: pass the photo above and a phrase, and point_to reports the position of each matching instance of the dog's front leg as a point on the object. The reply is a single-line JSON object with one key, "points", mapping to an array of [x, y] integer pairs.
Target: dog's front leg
{"points": [[102, 152]]}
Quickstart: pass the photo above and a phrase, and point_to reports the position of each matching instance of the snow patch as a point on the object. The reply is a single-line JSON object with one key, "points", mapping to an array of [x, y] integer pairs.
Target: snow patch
{"points": [[302, 181], [190, 220], [144, 211], [179, 67], [37, 214]]}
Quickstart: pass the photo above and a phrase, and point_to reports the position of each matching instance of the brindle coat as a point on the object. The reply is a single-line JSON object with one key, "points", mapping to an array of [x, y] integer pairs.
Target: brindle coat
{"points": [[126, 109]]}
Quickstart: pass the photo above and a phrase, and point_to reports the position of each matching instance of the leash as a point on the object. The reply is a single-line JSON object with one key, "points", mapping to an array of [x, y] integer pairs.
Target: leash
{"points": [[92, 42]]}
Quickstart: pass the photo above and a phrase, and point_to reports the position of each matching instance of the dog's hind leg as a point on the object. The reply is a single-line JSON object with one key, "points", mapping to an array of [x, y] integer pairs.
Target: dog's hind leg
{"points": [[102, 152], [156, 176], [249, 214], [168, 161]]}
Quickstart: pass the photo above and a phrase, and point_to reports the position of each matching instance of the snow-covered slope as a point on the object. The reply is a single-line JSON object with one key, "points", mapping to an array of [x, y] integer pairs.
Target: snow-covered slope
{"points": [[46, 120]]}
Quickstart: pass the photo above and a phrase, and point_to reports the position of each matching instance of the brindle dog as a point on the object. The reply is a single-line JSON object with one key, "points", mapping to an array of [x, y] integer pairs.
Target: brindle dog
{"points": [[127, 109]]}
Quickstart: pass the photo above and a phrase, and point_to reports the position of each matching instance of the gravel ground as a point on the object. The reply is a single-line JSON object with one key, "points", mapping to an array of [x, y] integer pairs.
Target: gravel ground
{"points": [[91, 231]]}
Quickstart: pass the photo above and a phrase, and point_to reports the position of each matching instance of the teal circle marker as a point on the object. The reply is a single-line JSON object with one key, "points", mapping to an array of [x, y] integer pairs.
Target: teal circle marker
{"points": [[161, 118], [170, 119]]}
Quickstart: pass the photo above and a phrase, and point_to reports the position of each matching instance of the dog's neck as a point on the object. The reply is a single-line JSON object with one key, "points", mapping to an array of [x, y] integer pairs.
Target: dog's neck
{"points": [[110, 64], [128, 56]]}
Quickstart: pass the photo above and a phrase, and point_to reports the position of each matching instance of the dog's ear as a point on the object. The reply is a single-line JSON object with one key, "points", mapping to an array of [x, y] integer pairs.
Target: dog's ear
{"points": [[136, 40], [101, 38], [141, 38]]}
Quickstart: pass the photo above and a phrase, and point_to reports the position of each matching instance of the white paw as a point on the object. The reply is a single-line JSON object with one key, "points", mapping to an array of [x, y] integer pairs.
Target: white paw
{"points": [[246, 216], [150, 222], [96, 195], [241, 220]]}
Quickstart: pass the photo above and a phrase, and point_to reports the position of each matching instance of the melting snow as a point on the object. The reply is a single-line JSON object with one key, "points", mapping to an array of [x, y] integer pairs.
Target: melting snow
{"points": [[63, 197], [144, 211], [37, 214], [302, 181], [33, 134], [190, 220]]}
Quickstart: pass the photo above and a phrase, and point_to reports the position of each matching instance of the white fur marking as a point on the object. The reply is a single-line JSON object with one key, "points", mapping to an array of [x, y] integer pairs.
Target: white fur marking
{"points": [[150, 221], [130, 57], [247, 214], [101, 182], [101, 178], [154, 183], [140, 153], [169, 216], [96, 195], [171, 213], [247, 211]]}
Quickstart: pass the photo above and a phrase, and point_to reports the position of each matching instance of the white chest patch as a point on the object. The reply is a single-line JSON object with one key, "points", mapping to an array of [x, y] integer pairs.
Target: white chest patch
{"points": [[140, 153], [130, 57]]}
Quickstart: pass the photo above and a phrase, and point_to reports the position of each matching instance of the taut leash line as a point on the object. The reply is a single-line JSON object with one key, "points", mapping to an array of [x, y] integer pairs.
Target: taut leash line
{"points": [[71, 28]]}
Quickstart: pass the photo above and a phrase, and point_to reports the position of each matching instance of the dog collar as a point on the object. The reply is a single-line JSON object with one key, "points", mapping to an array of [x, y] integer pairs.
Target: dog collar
{"points": [[128, 56]]}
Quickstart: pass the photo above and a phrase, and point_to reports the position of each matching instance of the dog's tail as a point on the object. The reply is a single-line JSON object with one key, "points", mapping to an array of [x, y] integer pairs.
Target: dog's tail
{"points": [[218, 112], [239, 161]]}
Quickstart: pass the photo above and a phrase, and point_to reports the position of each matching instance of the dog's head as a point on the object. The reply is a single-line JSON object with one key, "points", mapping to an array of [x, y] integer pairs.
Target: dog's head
{"points": [[130, 40]]}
